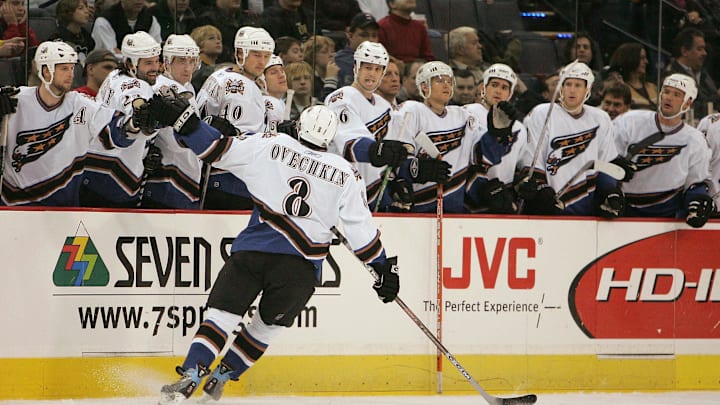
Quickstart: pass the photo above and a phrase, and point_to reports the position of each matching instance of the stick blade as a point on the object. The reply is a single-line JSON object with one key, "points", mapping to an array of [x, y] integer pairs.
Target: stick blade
{"points": [[611, 169], [426, 143], [523, 400]]}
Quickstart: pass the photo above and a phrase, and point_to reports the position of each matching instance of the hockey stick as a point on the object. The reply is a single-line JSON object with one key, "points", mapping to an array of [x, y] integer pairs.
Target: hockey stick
{"points": [[490, 399], [635, 148], [426, 143], [288, 104], [388, 170], [611, 169], [3, 143]]}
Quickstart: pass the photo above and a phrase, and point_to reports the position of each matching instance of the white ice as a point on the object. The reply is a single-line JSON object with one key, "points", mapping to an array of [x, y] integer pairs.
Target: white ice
{"points": [[664, 398]]}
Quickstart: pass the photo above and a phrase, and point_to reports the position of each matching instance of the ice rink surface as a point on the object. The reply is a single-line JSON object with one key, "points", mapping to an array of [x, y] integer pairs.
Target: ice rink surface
{"points": [[668, 398]]}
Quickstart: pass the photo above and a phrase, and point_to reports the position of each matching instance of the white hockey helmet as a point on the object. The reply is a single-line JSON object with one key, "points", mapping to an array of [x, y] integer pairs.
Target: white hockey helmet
{"points": [[318, 125], [371, 52], [273, 61], [429, 70], [51, 53], [500, 71], [136, 46], [252, 39], [578, 70], [180, 46], [684, 83]]}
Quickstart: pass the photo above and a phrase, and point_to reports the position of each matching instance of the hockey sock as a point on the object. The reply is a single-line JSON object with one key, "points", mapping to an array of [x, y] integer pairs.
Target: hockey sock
{"points": [[250, 345], [210, 338]]}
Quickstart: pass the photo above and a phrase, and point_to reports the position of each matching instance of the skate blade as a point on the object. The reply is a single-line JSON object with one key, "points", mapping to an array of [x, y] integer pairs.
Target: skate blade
{"points": [[171, 398]]}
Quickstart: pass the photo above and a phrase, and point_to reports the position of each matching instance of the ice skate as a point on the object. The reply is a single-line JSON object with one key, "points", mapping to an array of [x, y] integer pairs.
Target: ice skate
{"points": [[182, 389], [214, 385]]}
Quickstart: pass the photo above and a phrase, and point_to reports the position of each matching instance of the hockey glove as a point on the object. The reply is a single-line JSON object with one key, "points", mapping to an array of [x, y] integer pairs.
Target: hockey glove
{"points": [[500, 119], [387, 153], [699, 209], [540, 198], [387, 283], [499, 198], [8, 102], [402, 195], [611, 204], [288, 127], [153, 160], [222, 125], [176, 111], [142, 117], [423, 170], [628, 165]]}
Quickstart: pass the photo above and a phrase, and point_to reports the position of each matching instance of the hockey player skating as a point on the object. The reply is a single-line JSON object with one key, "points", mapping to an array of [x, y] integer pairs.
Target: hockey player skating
{"points": [[365, 120], [51, 130], [498, 154], [300, 191], [673, 175], [274, 86], [174, 172], [233, 95], [563, 179], [113, 177]]}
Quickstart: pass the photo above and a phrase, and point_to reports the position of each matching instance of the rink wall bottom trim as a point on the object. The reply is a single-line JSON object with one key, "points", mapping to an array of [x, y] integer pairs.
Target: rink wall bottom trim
{"points": [[98, 377]]}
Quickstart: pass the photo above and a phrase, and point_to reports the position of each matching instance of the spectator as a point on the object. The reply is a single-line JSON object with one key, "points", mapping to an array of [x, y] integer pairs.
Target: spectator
{"points": [[289, 49], [125, 17], [227, 16], [700, 17], [320, 53], [286, 18], [14, 24], [583, 48], [616, 100], [174, 17], [98, 64], [299, 78], [631, 59], [209, 40], [690, 53], [72, 17], [466, 52], [333, 15], [363, 27], [391, 83], [403, 37], [409, 90], [465, 89]]}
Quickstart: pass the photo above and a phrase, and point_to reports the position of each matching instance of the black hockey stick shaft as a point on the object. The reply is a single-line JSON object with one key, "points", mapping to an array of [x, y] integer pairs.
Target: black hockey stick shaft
{"points": [[491, 400]]}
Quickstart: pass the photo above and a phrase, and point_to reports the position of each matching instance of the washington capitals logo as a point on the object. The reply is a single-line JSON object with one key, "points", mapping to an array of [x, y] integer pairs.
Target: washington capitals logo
{"points": [[33, 144], [566, 148], [379, 127], [448, 140], [234, 86], [656, 154]]}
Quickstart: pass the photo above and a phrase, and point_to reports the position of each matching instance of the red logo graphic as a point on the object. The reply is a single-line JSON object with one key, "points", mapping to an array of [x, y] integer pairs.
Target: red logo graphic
{"points": [[663, 287]]}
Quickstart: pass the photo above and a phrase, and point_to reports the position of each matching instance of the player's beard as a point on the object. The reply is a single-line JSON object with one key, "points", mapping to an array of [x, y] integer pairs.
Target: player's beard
{"points": [[59, 89], [144, 76]]}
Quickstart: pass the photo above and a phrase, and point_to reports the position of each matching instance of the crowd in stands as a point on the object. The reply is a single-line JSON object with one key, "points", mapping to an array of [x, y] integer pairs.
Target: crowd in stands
{"points": [[318, 41]]}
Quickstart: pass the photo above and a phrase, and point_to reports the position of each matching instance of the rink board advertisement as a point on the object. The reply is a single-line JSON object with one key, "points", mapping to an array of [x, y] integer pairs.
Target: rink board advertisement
{"points": [[92, 288]]}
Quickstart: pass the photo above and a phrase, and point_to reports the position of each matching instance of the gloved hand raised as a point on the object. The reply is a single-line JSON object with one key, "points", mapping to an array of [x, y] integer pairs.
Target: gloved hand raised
{"points": [[387, 284], [8, 102], [222, 125], [173, 109], [500, 119]]}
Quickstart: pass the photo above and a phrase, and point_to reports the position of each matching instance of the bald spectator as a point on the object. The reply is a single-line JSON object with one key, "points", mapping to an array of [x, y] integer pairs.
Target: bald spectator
{"points": [[286, 18], [616, 100], [363, 27], [125, 17], [403, 37], [98, 64], [466, 52]]}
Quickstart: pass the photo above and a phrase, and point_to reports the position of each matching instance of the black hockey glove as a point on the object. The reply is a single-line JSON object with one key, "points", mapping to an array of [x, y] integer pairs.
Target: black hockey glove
{"points": [[175, 110], [627, 165], [500, 119], [387, 283], [499, 197], [423, 170], [153, 160], [539, 198], [699, 209], [402, 195], [387, 153], [288, 127], [8, 102], [142, 117], [610, 204], [222, 125]]}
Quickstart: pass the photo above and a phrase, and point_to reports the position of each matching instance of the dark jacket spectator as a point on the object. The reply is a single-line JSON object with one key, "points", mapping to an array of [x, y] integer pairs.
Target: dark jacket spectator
{"points": [[174, 17], [287, 18], [112, 26], [332, 15], [72, 16], [363, 27]]}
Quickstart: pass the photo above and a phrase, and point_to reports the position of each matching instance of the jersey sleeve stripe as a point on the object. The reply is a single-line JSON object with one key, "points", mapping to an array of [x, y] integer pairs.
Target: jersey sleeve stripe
{"points": [[37, 192], [370, 251], [217, 151]]}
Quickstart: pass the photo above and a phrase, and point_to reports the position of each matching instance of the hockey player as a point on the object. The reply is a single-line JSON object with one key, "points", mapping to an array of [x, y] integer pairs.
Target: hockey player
{"points": [[498, 154], [710, 126], [173, 171], [365, 120], [563, 179], [49, 135], [273, 84], [114, 177], [673, 174], [300, 192], [232, 94]]}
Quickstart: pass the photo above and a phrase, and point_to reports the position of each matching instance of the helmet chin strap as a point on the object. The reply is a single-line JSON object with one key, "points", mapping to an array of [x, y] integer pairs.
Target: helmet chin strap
{"points": [[679, 113], [47, 83]]}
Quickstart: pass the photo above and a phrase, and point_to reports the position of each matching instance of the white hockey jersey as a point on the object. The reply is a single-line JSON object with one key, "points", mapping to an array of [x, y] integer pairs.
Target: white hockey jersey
{"points": [[274, 113], [231, 95], [710, 126], [666, 169], [571, 142], [46, 147], [176, 184], [116, 174], [362, 122]]}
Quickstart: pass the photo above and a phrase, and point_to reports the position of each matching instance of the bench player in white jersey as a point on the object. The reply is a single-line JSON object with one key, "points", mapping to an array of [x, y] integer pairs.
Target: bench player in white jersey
{"points": [[710, 126], [233, 95], [673, 175], [300, 192], [365, 120], [577, 135], [173, 171], [50, 133], [113, 177], [273, 84], [498, 154]]}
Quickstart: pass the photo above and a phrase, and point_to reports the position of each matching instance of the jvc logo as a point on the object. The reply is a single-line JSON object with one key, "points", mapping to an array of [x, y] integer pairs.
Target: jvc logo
{"points": [[659, 285], [512, 249]]}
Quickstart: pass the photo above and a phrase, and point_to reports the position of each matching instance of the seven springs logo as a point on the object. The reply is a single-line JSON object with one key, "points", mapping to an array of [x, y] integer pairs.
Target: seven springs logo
{"points": [[666, 286], [80, 264]]}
